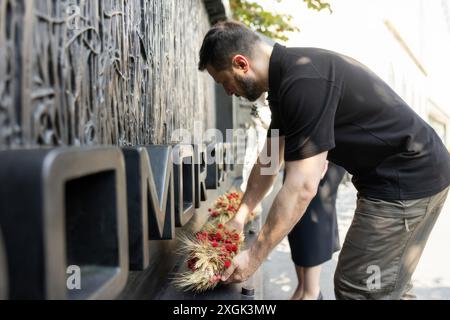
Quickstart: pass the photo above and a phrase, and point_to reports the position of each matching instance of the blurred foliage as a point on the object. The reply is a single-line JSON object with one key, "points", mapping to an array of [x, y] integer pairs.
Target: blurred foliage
{"points": [[317, 5], [273, 25]]}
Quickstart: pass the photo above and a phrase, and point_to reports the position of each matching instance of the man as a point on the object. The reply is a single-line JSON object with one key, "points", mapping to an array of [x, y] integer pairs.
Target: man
{"points": [[329, 106]]}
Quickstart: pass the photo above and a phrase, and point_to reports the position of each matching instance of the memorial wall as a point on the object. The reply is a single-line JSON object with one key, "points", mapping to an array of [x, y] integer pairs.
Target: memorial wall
{"points": [[95, 188]]}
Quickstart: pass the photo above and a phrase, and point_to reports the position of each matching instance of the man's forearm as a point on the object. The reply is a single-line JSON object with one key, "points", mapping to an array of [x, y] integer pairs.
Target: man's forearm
{"points": [[262, 177], [282, 217], [257, 187]]}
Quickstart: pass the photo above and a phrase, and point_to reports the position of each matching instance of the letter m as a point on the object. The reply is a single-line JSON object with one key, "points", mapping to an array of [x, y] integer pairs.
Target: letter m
{"points": [[150, 190]]}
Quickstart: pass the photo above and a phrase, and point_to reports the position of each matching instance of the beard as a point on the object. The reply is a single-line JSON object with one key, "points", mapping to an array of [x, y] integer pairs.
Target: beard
{"points": [[250, 89]]}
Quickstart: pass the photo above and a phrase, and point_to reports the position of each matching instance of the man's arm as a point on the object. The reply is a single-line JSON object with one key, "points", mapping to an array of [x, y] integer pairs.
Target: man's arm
{"points": [[299, 188], [260, 180]]}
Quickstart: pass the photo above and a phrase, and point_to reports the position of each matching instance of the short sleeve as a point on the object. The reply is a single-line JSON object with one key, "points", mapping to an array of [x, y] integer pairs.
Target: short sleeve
{"points": [[275, 122], [307, 113]]}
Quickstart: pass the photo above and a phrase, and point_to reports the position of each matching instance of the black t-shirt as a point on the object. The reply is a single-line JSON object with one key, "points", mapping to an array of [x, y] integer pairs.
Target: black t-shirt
{"points": [[324, 101]]}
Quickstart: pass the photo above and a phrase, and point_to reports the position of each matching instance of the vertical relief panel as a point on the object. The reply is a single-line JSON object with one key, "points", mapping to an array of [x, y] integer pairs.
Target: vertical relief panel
{"points": [[78, 72]]}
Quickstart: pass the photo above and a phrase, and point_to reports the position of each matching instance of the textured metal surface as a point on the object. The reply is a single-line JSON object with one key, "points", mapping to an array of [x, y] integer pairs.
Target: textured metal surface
{"points": [[216, 10], [119, 72]]}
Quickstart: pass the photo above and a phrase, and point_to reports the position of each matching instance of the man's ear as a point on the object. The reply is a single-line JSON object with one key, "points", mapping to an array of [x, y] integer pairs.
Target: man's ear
{"points": [[241, 62]]}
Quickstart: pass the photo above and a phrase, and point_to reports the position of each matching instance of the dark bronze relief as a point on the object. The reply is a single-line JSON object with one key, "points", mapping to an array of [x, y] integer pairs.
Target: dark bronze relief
{"points": [[121, 72]]}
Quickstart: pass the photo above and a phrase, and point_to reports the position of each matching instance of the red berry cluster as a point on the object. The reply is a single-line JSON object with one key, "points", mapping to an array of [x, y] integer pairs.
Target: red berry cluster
{"points": [[227, 205], [224, 241], [191, 264]]}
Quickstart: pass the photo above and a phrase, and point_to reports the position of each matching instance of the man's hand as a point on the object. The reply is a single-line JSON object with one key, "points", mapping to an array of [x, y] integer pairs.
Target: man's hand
{"points": [[242, 267], [235, 224], [239, 220]]}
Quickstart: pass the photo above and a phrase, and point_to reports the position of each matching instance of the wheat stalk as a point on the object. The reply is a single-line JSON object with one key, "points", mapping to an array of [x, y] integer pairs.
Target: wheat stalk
{"points": [[210, 251]]}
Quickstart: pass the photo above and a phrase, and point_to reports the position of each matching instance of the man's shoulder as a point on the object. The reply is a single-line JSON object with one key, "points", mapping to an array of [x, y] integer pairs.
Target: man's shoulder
{"points": [[296, 51], [306, 63]]}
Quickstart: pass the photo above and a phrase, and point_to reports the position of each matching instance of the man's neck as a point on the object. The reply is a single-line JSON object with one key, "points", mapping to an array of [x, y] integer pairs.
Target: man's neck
{"points": [[265, 52]]}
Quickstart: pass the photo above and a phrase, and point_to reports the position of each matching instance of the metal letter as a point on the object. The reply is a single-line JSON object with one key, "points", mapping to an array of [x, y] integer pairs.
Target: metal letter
{"points": [[214, 166], [64, 207], [183, 157], [200, 174], [162, 204], [150, 200]]}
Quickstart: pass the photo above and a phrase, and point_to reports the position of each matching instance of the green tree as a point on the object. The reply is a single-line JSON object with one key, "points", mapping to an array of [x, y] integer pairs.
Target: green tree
{"points": [[274, 25]]}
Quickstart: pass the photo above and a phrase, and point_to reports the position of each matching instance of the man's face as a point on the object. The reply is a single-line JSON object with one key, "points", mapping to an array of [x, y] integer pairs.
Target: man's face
{"points": [[237, 80]]}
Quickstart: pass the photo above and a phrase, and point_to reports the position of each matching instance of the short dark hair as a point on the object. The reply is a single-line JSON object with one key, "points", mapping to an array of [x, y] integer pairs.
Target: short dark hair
{"points": [[224, 40]]}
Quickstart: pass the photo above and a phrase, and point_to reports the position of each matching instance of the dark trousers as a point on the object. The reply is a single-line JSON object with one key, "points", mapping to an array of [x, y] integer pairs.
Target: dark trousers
{"points": [[384, 245]]}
